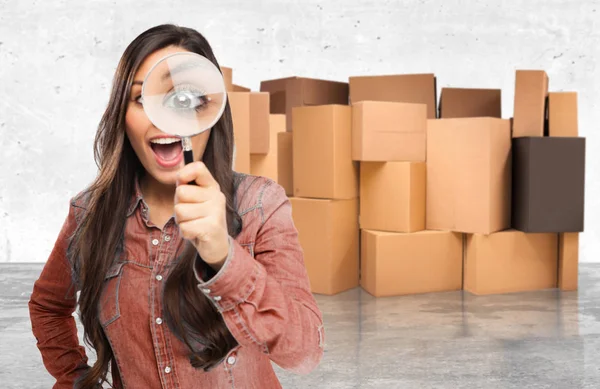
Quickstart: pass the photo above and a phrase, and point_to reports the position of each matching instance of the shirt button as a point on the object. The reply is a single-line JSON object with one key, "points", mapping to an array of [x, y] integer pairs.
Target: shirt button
{"points": [[158, 321], [231, 359], [167, 238], [167, 369], [155, 242], [217, 298], [207, 291], [159, 277]]}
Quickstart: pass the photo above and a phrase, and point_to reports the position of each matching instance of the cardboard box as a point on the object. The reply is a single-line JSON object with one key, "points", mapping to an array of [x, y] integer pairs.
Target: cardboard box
{"points": [[531, 94], [510, 261], [388, 131], [568, 261], [329, 236], [421, 262], [548, 184], [392, 196], [259, 123], [405, 88], [287, 93], [285, 162], [468, 175], [228, 78], [563, 114], [239, 88], [465, 103], [322, 153], [267, 165], [240, 112]]}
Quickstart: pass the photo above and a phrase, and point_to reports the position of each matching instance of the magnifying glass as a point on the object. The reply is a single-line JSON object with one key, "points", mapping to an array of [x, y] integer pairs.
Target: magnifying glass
{"points": [[184, 95]]}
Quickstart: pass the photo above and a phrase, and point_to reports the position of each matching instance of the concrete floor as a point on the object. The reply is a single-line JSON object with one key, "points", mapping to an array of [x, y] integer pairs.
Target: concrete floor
{"points": [[452, 340]]}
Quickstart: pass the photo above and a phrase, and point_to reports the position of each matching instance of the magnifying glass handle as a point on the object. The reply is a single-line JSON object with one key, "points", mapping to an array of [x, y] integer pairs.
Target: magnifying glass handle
{"points": [[188, 153]]}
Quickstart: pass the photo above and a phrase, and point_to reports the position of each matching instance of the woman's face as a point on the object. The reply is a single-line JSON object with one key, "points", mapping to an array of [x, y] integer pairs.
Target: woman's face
{"points": [[161, 154]]}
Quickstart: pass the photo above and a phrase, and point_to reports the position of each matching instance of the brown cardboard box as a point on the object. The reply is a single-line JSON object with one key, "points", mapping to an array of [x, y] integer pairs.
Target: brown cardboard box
{"points": [[563, 114], [329, 236], [568, 261], [464, 103], [322, 148], [510, 261], [392, 196], [240, 112], [548, 185], [420, 262], [404, 88], [531, 93], [266, 165], [285, 162], [259, 123], [468, 175], [228, 78], [388, 131], [287, 93], [239, 88]]}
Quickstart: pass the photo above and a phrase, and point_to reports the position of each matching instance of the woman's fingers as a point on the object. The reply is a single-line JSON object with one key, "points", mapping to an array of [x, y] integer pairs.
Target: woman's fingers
{"points": [[197, 172], [190, 211], [192, 194]]}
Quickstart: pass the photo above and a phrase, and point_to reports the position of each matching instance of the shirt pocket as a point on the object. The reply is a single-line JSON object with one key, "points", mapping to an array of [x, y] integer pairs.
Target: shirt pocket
{"points": [[109, 309]]}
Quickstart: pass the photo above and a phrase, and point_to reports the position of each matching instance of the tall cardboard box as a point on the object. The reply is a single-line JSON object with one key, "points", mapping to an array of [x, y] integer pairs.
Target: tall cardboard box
{"points": [[285, 162], [259, 123], [402, 88], [531, 94], [266, 165], [388, 131], [563, 114], [322, 148], [392, 196], [568, 261], [329, 235], [510, 261], [421, 262], [228, 78], [287, 93], [470, 102], [548, 184], [240, 112], [468, 175]]}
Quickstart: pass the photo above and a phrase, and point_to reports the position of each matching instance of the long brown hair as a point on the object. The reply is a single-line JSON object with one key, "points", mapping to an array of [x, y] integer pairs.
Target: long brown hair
{"points": [[189, 314]]}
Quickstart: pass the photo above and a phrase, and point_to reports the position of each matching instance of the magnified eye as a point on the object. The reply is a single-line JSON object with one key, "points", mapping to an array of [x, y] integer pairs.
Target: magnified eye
{"points": [[185, 99]]}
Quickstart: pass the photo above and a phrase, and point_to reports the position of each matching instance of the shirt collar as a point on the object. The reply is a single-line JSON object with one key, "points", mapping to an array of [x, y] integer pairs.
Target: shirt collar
{"points": [[136, 198]]}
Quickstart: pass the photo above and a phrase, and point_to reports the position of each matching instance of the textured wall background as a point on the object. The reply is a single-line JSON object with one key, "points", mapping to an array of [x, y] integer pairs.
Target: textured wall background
{"points": [[57, 58]]}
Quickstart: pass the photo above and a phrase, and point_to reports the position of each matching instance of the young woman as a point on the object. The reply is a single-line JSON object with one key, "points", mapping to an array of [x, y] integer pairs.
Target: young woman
{"points": [[180, 286]]}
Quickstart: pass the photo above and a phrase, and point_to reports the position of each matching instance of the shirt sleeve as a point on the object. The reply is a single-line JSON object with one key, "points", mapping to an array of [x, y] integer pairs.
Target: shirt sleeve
{"points": [[51, 306], [266, 299]]}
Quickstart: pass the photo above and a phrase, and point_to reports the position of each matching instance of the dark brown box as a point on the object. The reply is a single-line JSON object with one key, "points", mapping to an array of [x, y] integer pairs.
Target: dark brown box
{"points": [[401, 88], [548, 184], [466, 103], [287, 93]]}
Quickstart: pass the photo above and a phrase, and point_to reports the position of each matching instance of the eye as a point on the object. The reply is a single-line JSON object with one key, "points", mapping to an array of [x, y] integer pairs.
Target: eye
{"points": [[186, 100]]}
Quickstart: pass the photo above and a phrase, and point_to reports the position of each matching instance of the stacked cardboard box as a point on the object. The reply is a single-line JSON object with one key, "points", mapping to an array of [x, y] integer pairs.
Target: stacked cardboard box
{"points": [[396, 195], [323, 188], [389, 128]]}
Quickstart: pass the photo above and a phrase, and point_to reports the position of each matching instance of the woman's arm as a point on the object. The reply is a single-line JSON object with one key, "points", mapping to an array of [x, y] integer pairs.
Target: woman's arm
{"points": [[266, 300], [51, 306]]}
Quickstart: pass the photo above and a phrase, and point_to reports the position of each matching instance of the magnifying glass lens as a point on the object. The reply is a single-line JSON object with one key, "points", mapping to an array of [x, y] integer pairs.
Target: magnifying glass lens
{"points": [[184, 94]]}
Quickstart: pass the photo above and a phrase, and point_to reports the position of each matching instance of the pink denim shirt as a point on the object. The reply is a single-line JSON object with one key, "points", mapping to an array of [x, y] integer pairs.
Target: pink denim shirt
{"points": [[262, 291]]}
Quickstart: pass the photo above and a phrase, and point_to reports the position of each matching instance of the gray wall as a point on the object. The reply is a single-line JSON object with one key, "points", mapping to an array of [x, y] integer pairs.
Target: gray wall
{"points": [[57, 59]]}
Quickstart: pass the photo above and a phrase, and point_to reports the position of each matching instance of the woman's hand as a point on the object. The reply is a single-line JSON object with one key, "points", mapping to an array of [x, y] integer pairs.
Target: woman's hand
{"points": [[200, 212]]}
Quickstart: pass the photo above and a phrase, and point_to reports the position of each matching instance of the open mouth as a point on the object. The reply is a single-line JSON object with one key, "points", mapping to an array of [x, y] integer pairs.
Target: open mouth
{"points": [[168, 151]]}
